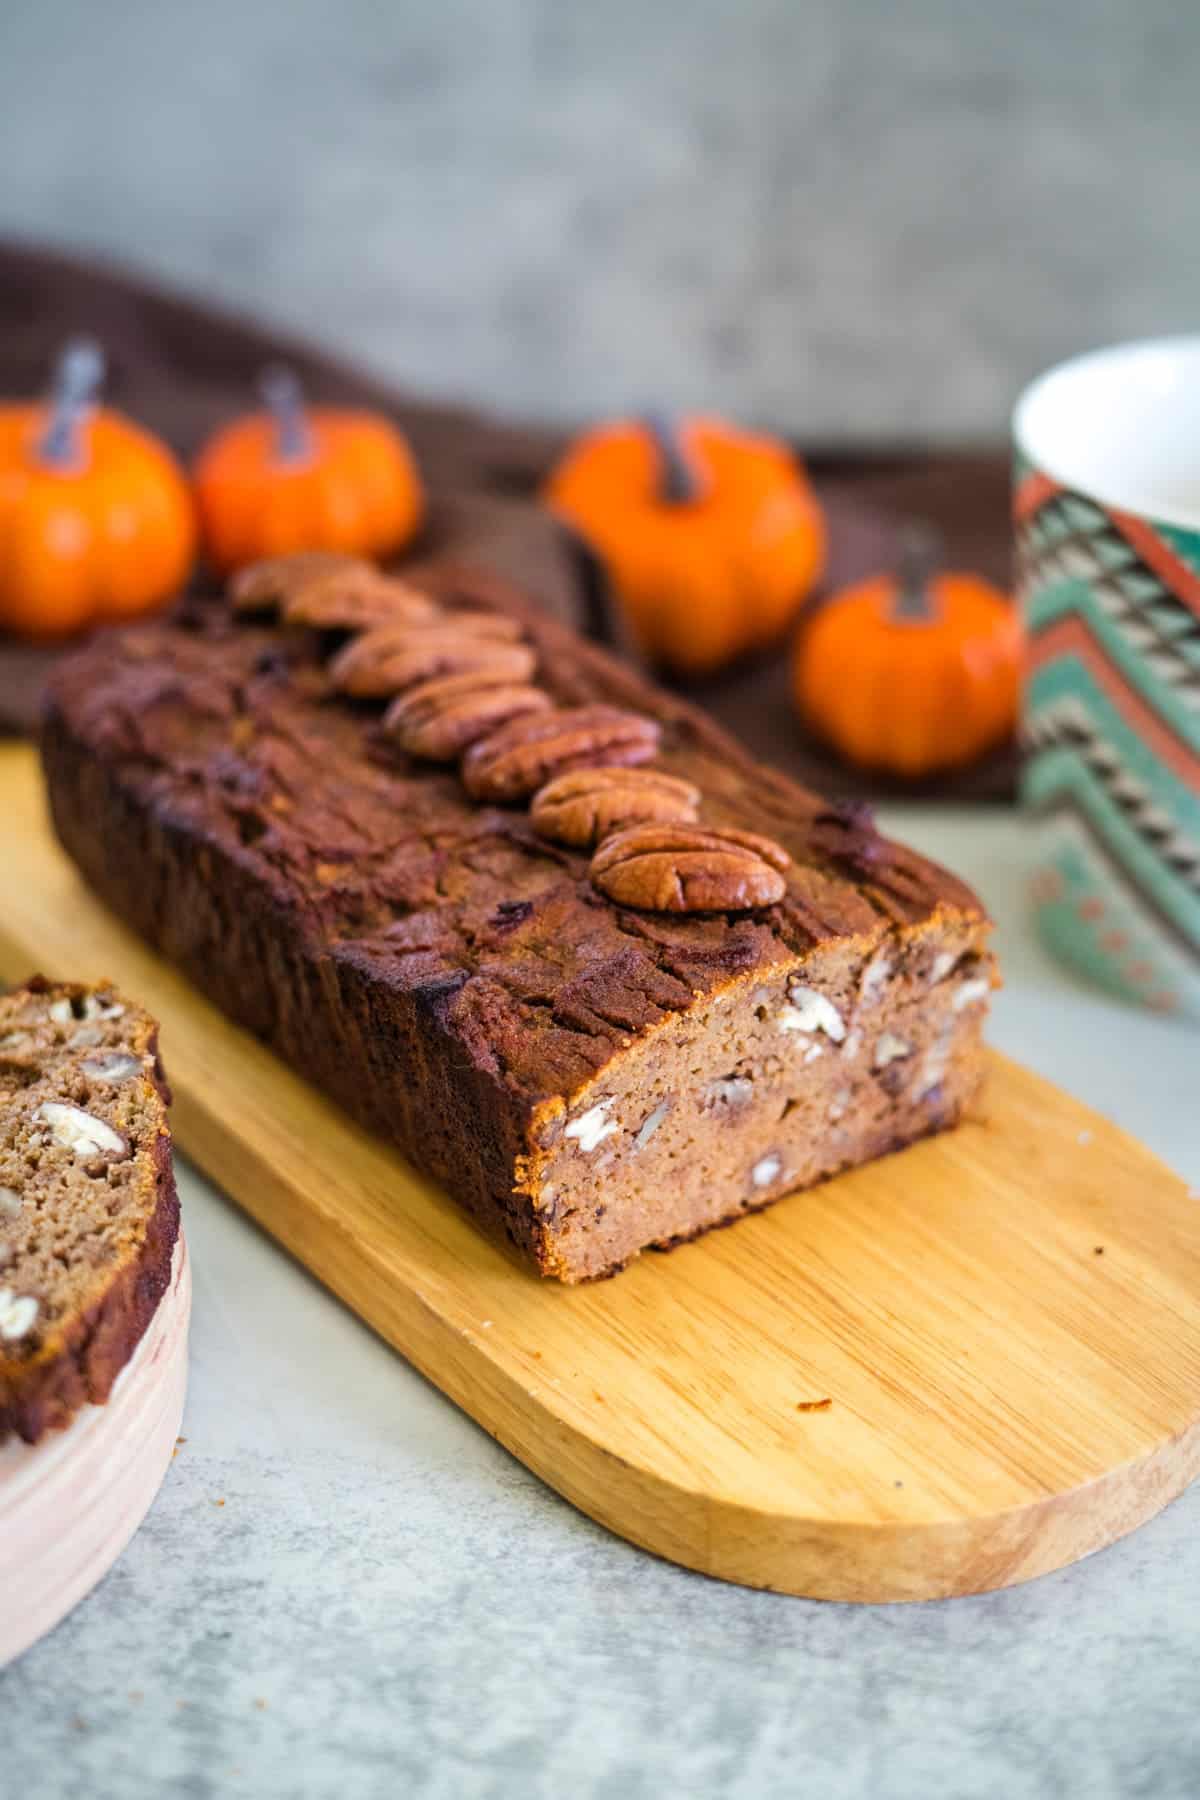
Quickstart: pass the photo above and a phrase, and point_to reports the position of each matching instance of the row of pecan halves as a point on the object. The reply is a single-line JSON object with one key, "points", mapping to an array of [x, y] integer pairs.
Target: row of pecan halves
{"points": [[460, 684]]}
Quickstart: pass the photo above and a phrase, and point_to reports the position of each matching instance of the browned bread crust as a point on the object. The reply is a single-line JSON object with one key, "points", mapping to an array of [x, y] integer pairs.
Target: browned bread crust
{"points": [[456, 981], [88, 1225]]}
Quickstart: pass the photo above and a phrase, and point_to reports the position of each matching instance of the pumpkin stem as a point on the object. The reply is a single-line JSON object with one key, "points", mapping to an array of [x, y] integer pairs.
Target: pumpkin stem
{"points": [[917, 561], [284, 399], [678, 482], [78, 374]]}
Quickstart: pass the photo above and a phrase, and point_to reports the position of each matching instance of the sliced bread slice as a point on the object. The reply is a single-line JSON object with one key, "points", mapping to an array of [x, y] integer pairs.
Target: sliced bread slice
{"points": [[88, 1211]]}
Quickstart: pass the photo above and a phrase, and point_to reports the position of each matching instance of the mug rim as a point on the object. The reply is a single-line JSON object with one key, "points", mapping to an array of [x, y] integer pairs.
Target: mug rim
{"points": [[1131, 501]]}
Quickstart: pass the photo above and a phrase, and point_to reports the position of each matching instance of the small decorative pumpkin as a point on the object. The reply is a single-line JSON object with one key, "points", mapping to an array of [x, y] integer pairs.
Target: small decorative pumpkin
{"points": [[96, 520], [711, 536], [911, 672], [294, 478]]}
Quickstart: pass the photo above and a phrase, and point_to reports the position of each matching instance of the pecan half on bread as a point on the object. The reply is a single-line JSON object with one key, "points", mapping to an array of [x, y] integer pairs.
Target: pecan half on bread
{"points": [[521, 757], [587, 805], [441, 718], [690, 869], [392, 658]]}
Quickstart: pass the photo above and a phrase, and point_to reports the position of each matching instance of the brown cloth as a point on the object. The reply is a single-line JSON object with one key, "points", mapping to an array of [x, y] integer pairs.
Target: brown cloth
{"points": [[182, 368]]}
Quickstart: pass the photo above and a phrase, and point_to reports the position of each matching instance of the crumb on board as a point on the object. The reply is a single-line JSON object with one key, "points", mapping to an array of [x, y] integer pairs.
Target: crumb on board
{"points": [[218, 1502], [1099, 1250], [813, 1405]]}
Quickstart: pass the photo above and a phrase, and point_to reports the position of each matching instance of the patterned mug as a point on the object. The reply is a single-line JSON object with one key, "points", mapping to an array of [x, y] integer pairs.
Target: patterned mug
{"points": [[1107, 522]]}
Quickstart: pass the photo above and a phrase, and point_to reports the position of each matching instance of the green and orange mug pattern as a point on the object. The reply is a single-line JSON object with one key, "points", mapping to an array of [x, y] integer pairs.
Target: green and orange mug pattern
{"points": [[1111, 736]]}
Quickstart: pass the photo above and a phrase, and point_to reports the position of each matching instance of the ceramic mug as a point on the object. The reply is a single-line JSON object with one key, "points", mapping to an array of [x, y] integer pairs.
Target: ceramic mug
{"points": [[1107, 523]]}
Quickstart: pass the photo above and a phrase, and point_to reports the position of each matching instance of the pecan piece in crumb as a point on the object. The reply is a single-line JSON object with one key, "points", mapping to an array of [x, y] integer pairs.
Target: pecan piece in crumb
{"points": [[357, 599], [393, 658], [262, 586], [690, 869], [440, 719], [587, 805], [514, 762]]}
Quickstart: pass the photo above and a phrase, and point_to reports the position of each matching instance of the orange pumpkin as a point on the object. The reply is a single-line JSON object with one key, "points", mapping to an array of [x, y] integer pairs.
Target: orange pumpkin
{"points": [[711, 536], [96, 520], [293, 478], [911, 672]]}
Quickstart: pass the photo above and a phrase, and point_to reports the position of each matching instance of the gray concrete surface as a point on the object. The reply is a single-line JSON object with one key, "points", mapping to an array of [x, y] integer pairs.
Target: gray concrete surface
{"points": [[854, 220]]}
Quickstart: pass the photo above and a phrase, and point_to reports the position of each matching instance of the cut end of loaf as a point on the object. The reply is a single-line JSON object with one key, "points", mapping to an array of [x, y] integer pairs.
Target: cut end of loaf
{"points": [[767, 1086]]}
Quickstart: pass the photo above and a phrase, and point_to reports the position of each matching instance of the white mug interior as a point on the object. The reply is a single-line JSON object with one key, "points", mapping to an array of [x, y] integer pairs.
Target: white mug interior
{"points": [[1121, 426]]}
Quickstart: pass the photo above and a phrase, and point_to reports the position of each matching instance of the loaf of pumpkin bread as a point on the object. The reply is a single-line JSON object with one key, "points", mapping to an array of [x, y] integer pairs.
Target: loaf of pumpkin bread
{"points": [[541, 924]]}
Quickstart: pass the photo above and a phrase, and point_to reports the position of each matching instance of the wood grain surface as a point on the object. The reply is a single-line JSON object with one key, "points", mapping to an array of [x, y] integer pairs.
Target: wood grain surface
{"points": [[956, 1369]]}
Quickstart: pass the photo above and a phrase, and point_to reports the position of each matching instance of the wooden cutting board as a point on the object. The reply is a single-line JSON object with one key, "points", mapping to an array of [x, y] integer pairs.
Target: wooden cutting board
{"points": [[968, 1364]]}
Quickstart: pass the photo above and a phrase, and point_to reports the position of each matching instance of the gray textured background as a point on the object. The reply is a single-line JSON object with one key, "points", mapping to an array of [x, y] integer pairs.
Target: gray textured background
{"points": [[854, 220]]}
